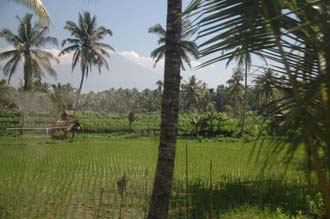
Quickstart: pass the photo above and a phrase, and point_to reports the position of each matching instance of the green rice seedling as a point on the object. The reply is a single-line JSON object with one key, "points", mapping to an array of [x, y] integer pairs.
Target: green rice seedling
{"points": [[64, 180]]}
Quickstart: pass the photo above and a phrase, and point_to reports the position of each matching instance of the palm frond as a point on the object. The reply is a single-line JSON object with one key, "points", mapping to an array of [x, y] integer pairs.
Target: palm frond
{"points": [[69, 49], [187, 47], [38, 7], [8, 54], [46, 40], [10, 67], [158, 29], [10, 37]]}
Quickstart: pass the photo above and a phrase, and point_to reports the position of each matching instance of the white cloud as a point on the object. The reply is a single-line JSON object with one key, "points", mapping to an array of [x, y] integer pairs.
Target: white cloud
{"points": [[144, 61], [64, 59]]}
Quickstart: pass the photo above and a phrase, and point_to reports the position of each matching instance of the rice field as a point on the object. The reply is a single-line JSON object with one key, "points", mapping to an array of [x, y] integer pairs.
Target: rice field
{"points": [[44, 178]]}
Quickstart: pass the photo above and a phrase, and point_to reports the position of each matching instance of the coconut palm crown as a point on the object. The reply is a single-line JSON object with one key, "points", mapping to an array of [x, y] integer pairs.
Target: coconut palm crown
{"points": [[26, 47], [85, 43], [187, 47]]}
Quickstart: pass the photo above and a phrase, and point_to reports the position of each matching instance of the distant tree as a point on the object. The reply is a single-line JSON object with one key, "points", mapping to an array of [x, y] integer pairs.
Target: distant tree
{"points": [[235, 90], [194, 92], [149, 100], [61, 96], [85, 43], [6, 95], [42, 87], [187, 47], [27, 45], [220, 98], [131, 118], [265, 89]]}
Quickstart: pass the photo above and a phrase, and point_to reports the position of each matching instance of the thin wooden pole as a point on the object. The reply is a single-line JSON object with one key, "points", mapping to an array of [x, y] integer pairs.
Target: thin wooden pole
{"points": [[211, 192], [121, 206], [146, 195], [59, 127], [98, 211], [187, 184]]}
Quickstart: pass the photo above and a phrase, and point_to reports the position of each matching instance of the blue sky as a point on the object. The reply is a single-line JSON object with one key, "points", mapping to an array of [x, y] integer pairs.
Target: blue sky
{"points": [[128, 19]]}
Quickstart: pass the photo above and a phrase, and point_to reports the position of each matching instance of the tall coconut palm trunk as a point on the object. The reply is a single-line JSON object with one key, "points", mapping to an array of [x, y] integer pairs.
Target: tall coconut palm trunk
{"points": [[79, 90], [159, 204], [28, 83], [245, 95]]}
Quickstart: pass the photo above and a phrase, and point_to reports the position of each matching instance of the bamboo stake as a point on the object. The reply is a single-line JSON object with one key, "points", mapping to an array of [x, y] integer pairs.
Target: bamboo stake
{"points": [[98, 211], [211, 192], [187, 184], [146, 195]]}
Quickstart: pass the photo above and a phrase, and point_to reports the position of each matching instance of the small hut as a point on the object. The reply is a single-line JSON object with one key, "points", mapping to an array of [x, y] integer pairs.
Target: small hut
{"points": [[65, 125]]}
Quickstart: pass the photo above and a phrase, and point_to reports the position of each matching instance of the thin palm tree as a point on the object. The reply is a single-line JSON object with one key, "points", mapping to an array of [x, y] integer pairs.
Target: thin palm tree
{"points": [[159, 203], [266, 90], [188, 47], [194, 93], [27, 43], [38, 7], [85, 43], [235, 90]]}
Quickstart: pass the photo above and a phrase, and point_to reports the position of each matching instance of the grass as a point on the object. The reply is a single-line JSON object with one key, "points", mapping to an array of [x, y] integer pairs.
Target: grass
{"points": [[42, 178]]}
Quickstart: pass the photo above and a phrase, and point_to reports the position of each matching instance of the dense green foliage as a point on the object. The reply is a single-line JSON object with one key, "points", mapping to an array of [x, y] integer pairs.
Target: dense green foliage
{"points": [[207, 125]]}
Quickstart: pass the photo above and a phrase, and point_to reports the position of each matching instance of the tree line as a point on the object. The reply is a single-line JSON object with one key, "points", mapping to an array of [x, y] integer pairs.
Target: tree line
{"points": [[195, 96]]}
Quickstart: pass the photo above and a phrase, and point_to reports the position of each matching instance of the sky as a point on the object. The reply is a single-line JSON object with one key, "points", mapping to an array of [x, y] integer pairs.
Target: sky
{"points": [[129, 21]]}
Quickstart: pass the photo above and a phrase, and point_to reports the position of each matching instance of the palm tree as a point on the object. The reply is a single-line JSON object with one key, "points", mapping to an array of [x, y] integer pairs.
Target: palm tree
{"points": [[38, 7], [36, 61], [162, 187], [27, 45], [187, 47], [300, 48], [237, 35], [194, 92], [61, 96], [235, 90], [149, 100], [85, 43], [38, 86], [266, 90]]}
